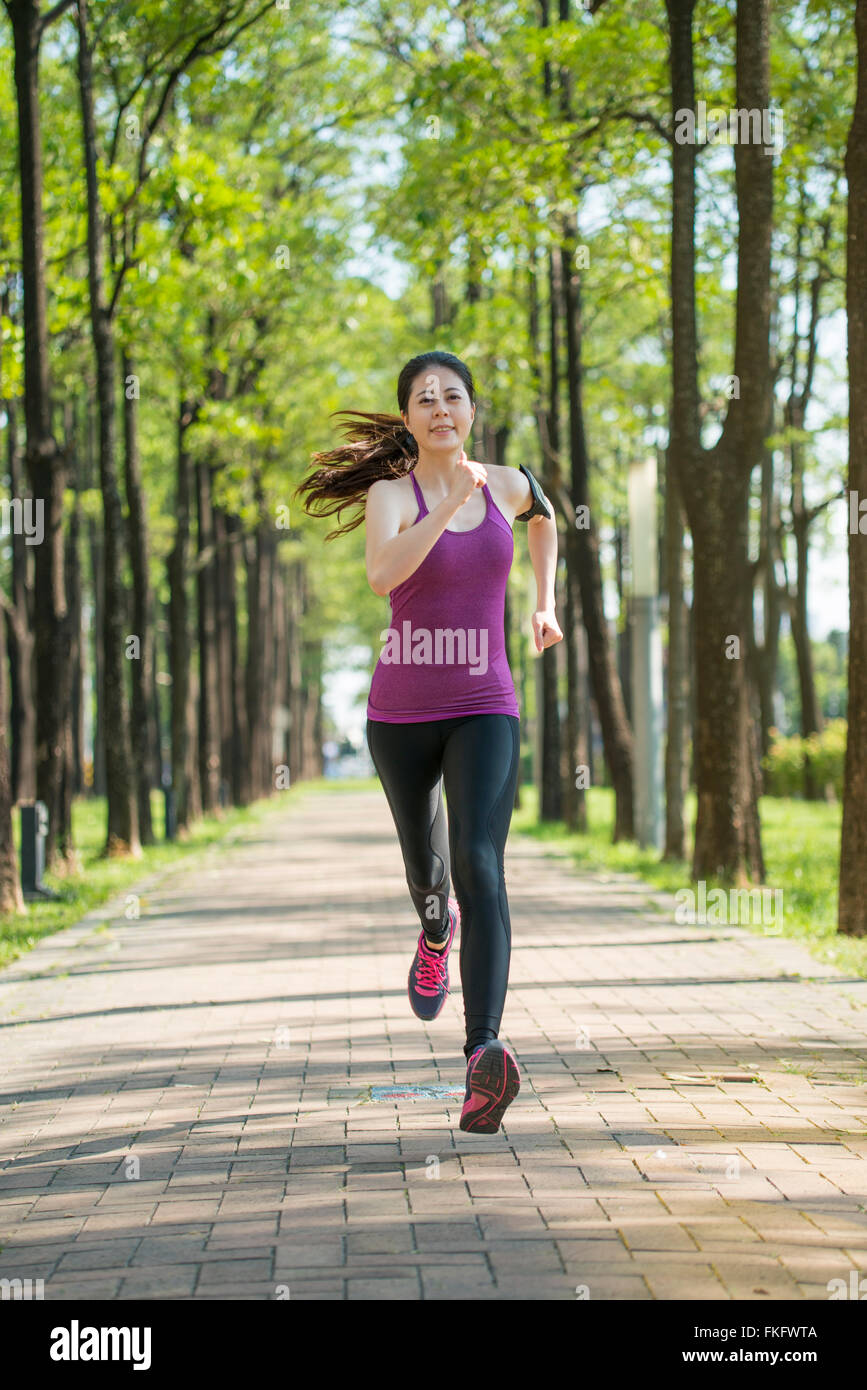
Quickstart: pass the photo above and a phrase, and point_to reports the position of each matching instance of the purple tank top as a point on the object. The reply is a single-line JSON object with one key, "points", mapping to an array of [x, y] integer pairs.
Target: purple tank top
{"points": [[444, 653]]}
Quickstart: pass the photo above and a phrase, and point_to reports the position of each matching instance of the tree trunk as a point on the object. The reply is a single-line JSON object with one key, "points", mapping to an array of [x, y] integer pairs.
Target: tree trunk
{"points": [[852, 912], [68, 859], [76, 608], [179, 636], [280, 749], [253, 663], [296, 688], [11, 897], [766, 656], [122, 834], [142, 667], [577, 769], [811, 716], [233, 755], [550, 787], [677, 676], [95, 548], [209, 685], [19, 629], [714, 484], [45, 463], [259, 555], [582, 551]]}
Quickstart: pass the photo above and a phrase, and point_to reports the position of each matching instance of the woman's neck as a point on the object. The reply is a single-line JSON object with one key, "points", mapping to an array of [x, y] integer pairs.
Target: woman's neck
{"points": [[438, 468]]}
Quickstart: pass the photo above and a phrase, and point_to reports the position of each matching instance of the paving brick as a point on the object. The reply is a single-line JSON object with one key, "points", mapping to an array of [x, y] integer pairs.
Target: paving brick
{"points": [[260, 1167]]}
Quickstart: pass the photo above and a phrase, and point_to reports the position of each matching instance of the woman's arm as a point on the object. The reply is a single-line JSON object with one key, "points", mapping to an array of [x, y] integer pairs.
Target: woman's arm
{"points": [[542, 545]]}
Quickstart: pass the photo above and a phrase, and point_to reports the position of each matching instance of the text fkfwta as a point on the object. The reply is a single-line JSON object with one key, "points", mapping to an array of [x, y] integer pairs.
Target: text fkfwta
{"points": [[76, 1343], [444, 646]]}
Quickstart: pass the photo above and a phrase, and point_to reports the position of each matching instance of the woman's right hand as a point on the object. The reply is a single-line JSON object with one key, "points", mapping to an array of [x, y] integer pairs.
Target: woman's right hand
{"points": [[468, 476]]}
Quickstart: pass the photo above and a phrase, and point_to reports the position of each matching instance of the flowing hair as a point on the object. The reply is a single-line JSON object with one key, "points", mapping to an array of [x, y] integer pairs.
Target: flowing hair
{"points": [[377, 446]]}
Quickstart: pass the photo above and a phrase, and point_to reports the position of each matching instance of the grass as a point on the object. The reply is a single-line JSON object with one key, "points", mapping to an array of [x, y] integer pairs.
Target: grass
{"points": [[801, 844], [98, 879]]}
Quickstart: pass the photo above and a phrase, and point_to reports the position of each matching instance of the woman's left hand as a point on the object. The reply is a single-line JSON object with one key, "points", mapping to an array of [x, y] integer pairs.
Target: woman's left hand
{"points": [[546, 629]]}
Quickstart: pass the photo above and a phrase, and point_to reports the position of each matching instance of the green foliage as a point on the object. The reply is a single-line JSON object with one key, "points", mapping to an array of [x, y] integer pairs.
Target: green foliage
{"points": [[787, 759]]}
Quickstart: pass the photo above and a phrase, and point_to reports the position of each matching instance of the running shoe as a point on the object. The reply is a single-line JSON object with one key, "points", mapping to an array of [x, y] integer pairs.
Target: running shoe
{"points": [[428, 982], [493, 1081]]}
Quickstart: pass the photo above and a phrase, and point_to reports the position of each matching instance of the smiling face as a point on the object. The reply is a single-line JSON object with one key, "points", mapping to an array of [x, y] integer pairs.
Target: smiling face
{"points": [[439, 413]]}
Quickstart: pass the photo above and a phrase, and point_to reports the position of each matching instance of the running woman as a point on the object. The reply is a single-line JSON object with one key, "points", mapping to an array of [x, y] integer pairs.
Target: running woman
{"points": [[442, 704]]}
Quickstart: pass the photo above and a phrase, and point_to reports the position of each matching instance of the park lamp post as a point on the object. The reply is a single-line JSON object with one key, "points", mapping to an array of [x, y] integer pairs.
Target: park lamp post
{"points": [[647, 689]]}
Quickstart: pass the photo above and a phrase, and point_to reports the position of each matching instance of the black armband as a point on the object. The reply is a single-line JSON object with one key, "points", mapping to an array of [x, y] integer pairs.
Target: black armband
{"points": [[540, 506]]}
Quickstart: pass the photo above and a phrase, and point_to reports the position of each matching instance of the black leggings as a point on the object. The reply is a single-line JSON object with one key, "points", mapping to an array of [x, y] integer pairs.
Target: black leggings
{"points": [[476, 755]]}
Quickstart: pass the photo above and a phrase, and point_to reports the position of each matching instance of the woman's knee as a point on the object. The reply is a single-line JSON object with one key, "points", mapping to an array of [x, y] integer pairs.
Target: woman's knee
{"points": [[478, 867]]}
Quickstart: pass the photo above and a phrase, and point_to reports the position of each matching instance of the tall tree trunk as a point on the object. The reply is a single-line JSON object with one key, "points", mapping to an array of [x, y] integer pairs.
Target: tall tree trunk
{"points": [[677, 675], [11, 897], [122, 834], [811, 715], [192, 780], [179, 635], [233, 755], [766, 655], [142, 668], [96, 551], [577, 760], [67, 855], [582, 551], [714, 483], [802, 515], [45, 463], [19, 622], [280, 751], [852, 912], [550, 788], [76, 609], [209, 685], [296, 676], [259, 553]]}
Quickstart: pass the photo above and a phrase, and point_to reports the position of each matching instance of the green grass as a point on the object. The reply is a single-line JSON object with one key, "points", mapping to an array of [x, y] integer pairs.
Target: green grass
{"points": [[801, 844], [99, 879]]}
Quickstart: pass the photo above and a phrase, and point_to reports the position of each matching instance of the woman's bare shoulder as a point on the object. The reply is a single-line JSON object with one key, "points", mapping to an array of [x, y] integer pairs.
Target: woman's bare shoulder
{"points": [[392, 495]]}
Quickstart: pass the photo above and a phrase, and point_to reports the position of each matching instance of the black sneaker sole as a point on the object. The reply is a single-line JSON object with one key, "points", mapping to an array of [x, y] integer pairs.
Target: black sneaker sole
{"points": [[496, 1078]]}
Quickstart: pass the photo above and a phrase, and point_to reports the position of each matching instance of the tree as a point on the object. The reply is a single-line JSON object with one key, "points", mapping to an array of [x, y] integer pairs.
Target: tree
{"points": [[45, 462], [715, 482], [852, 912]]}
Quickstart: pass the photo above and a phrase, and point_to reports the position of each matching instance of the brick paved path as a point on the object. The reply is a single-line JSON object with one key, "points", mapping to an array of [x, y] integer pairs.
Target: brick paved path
{"points": [[186, 1102]]}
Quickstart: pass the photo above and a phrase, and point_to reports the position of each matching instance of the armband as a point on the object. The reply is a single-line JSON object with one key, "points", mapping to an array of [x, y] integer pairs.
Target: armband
{"points": [[540, 506]]}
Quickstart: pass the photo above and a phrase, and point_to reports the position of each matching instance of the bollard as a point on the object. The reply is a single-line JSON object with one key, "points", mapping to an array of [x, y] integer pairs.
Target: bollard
{"points": [[34, 828]]}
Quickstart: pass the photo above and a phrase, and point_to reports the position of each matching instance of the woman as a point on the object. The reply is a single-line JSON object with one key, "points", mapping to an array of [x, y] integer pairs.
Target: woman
{"points": [[442, 704]]}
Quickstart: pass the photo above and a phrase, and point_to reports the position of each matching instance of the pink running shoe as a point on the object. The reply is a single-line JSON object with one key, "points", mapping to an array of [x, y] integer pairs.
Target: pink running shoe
{"points": [[428, 982], [493, 1081]]}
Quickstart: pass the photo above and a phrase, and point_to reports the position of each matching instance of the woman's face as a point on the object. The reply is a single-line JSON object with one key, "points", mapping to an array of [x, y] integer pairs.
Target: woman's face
{"points": [[439, 413]]}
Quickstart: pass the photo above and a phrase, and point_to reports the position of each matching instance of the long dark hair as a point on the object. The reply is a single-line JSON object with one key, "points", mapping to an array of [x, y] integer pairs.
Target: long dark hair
{"points": [[378, 446]]}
